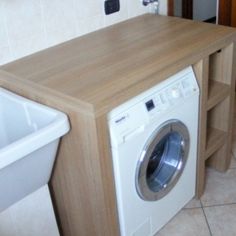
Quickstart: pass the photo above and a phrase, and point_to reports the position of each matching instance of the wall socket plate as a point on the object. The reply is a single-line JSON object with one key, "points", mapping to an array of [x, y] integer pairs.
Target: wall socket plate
{"points": [[111, 6]]}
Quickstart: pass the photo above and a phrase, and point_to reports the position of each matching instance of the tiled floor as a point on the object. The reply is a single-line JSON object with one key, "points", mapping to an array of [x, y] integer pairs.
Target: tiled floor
{"points": [[215, 213]]}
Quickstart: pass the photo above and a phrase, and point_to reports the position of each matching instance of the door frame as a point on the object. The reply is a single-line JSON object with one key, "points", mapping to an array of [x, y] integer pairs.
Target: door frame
{"points": [[187, 8], [225, 11], [233, 13]]}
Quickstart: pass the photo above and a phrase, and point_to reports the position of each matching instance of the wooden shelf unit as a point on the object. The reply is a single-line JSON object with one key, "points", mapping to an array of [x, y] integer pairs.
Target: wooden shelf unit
{"points": [[89, 76], [216, 93], [216, 75], [215, 140]]}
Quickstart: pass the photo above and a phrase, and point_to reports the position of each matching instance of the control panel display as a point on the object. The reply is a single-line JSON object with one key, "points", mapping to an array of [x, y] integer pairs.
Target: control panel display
{"points": [[150, 105]]}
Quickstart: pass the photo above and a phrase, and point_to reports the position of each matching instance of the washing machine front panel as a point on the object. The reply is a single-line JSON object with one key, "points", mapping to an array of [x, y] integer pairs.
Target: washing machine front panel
{"points": [[162, 160], [131, 117], [136, 214], [133, 127]]}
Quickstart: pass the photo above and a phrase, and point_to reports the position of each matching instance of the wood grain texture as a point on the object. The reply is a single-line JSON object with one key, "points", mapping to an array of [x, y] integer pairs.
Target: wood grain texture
{"points": [[217, 92], [89, 76], [93, 68], [221, 116], [201, 70], [171, 4], [224, 14], [233, 13], [215, 140]]}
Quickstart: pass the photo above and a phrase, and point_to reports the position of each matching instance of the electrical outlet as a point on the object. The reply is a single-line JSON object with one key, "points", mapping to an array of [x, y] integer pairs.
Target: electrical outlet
{"points": [[111, 6]]}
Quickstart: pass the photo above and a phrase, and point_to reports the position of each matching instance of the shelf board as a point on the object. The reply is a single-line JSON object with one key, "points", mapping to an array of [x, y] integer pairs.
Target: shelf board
{"points": [[217, 93], [215, 139]]}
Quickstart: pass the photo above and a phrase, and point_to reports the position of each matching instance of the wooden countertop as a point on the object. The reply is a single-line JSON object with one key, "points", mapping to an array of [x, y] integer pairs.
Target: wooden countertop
{"points": [[89, 76], [103, 69]]}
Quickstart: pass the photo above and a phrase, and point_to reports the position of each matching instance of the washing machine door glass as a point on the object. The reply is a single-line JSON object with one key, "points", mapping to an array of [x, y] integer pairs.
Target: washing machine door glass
{"points": [[162, 161]]}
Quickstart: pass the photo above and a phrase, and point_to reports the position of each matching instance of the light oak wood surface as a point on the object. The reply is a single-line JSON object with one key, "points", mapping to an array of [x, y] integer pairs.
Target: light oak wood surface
{"points": [[216, 92], [201, 70], [99, 68], [86, 78], [216, 139], [221, 116]]}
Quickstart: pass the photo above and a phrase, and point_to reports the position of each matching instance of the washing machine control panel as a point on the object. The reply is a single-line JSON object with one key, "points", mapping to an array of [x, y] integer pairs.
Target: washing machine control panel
{"points": [[171, 95], [132, 117], [150, 105]]}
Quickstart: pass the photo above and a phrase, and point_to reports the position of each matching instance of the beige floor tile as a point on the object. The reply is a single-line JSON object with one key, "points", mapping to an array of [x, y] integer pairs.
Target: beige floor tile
{"points": [[221, 220], [233, 162], [194, 203], [187, 222], [220, 188]]}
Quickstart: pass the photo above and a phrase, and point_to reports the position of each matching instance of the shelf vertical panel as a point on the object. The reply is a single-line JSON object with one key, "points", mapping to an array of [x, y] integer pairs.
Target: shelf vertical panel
{"points": [[215, 66], [221, 116], [215, 140], [217, 93], [201, 70]]}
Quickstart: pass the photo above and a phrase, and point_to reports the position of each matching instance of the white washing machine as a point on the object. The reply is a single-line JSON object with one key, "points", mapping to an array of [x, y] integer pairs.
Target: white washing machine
{"points": [[154, 151]]}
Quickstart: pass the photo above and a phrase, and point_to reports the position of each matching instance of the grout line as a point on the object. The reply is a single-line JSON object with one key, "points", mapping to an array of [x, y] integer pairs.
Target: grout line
{"points": [[205, 217], [201, 203], [209, 228], [191, 207], [219, 205]]}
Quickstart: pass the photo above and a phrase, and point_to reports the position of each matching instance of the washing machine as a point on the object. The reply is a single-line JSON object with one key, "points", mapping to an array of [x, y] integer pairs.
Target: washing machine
{"points": [[153, 140]]}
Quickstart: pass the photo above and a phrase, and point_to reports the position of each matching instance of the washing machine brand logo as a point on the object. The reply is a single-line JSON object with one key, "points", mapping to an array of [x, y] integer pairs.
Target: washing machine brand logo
{"points": [[120, 120]]}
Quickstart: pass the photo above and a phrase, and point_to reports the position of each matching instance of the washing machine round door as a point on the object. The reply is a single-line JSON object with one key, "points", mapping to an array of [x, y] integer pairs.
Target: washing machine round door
{"points": [[162, 160]]}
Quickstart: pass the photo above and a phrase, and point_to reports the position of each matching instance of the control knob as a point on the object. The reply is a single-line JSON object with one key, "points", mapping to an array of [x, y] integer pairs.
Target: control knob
{"points": [[175, 92]]}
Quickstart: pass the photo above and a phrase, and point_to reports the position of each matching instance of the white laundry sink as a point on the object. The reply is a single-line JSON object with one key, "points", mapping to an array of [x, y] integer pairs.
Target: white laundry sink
{"points": [[29, 137]]}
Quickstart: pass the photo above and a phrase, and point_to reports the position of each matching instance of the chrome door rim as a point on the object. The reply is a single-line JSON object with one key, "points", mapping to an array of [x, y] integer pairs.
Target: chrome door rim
{"points": [[142, 186]]}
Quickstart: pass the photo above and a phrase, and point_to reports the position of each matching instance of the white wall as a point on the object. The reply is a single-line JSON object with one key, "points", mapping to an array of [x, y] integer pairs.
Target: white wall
{"points": [[31, 216], [178, 8], [203, 10], [27, 26]]}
